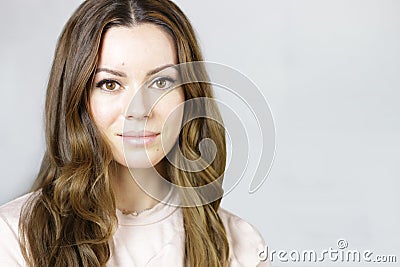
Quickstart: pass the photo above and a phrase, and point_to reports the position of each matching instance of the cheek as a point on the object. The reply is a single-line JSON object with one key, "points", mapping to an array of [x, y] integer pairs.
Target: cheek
{"points": [[105, 113], [170, 108], [102, 111], [170, 117]]}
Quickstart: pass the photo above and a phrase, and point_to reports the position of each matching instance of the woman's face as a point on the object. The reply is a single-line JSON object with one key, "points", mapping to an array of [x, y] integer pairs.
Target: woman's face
{"points": [[137, 108]]}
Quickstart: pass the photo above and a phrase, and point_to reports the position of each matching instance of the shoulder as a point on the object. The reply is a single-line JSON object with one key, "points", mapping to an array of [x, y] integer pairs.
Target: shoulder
{"points": [[10, 253], [10, 211], [245, 241]]}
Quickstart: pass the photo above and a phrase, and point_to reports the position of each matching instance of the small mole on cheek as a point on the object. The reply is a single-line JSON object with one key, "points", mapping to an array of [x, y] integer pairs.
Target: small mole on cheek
{"points": [[123, 64]]}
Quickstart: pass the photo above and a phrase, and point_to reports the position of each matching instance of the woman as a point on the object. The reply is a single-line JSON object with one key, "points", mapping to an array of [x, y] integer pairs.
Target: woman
{"points": [[115, 108]]}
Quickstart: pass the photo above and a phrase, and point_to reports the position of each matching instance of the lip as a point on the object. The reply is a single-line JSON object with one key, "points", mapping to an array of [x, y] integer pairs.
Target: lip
{"points": [[138, 138], [142, 134]]}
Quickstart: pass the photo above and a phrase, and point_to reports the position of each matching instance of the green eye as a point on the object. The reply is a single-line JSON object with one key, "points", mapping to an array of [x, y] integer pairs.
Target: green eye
{"points": [[163, 83]]}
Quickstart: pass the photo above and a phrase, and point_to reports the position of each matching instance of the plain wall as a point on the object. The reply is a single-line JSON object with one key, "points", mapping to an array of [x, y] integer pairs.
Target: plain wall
{"points": [[330, 72]]}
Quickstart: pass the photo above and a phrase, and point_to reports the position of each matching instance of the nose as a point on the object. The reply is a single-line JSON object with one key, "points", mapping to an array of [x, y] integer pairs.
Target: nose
{"points": [[137, 106]]}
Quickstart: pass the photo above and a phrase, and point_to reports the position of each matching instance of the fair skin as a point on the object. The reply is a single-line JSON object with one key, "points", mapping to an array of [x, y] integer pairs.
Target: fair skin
{"points": [[141, 123]]}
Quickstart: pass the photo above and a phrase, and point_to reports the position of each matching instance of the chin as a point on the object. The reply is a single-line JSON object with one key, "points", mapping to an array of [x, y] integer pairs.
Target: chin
{"points": [[141, 161]]}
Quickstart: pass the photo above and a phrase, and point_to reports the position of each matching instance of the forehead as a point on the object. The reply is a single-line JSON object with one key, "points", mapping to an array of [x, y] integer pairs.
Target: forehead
{"points": [[139, 48]]}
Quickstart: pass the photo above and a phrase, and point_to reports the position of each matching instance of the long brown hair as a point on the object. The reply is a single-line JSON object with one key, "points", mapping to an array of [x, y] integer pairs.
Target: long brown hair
{"points": [[71, 217]]}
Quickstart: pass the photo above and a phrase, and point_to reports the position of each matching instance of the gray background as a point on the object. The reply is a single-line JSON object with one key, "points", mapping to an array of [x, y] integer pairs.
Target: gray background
{"points": [[330, 71]]}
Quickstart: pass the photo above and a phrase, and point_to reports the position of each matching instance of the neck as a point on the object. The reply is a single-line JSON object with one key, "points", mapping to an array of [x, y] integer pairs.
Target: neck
{"points": [[130, 196]]}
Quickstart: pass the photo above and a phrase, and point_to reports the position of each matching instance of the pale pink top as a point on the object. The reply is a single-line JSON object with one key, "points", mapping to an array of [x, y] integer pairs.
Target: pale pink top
{"points": [[153, 238]]}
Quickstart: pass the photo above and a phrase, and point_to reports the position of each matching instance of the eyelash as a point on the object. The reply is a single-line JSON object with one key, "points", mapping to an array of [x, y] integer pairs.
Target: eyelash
{"points": [[165, 78], [101, 83]]}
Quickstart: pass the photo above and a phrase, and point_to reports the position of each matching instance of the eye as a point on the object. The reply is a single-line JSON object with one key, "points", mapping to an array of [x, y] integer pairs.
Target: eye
{"points": [[162, 83], [108, 85]]}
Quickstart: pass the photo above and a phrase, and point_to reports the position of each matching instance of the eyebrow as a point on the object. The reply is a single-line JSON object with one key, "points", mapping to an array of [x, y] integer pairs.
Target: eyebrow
{"points": [[114, 72], [158, 69], [122, 74]]}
